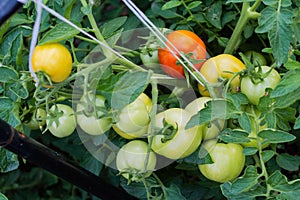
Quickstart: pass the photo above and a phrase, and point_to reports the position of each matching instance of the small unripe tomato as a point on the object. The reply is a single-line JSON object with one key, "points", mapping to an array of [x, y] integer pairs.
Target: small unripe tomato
{"points": [[222, 66], [131, 159], [54, 59]]}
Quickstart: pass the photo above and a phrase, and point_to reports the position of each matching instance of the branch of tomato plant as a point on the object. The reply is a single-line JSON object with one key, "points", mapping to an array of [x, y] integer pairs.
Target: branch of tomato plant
{"points": [[248, 12]]}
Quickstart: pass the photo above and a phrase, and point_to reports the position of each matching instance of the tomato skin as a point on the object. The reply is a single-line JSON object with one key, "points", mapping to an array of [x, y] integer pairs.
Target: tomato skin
{"points": [[211, 130], [228, 159], [131, 159], [37, 121], [219, 67], [133, 120], [92, 124], [185, 141], [66, 123], [188, 43], [255, 91], [149, 57], [54, 59]]}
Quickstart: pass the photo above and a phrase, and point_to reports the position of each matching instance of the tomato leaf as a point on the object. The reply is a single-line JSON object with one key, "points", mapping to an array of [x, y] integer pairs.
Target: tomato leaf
{"points": [[234, 136], [241, 187], [171, 4], [198, 157], [288, 162], [277, 23], [173, 192], [267, 155], [287, 190], [9, 112], [110, 27], [128, 87], [244, 122], [8, 161], [289, 83], [216, 109], [250, 151], [60, 32], [8, 74], [275, 136], [214, 13]]}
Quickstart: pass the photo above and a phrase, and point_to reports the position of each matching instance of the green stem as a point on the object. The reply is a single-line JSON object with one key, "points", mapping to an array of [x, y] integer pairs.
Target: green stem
{"points": [[95, 28], [247, 13]]}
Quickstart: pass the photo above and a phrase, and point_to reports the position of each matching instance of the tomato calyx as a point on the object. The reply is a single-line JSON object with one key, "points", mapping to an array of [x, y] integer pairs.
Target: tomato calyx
{"points": [[257, 75], [168, 131]]}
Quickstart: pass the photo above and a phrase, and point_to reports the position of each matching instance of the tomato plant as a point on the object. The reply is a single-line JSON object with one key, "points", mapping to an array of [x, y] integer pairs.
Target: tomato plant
{"points": [[228, 161], [131, 159], [255, 88], [111, 52], [219, 69], [54, 59], [90, 115], [186, 42], [172, 140], [61, 120], [133, 120]]}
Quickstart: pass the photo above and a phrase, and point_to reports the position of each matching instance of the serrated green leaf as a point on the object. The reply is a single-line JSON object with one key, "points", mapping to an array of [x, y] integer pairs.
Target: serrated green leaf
{"points": [[275, 136], [287, 190], [110, 27], [244, 122], [249, 151], [8, 74], [288, 162], [213, 14], [216, 109], [292, 64], [173, 192], [277, 23], [289, 83], [171, 4], [128, 88], [245, 187], [234, 136], [60, 32], [3, 197], [19, 90], [267, 155], [199, 157]]}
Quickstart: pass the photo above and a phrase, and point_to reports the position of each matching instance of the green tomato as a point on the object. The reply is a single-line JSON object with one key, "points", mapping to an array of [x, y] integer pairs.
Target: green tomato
{"points": [[37, 120], [63, 123], [254, 91], [212, 129], [131, 158], [133, 119], [184, 141], [149, 56], [91, 121], [228, 161]]}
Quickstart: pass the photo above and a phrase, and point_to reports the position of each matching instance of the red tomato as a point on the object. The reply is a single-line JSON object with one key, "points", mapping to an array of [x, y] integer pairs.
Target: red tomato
{"points": [[186, 42]]}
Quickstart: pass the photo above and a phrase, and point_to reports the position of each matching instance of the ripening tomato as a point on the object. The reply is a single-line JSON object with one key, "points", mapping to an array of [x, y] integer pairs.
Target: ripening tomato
{"points": [[228, 161], [186, 42], [54, 59], [172, 140], [221, 67], [133, 120]]}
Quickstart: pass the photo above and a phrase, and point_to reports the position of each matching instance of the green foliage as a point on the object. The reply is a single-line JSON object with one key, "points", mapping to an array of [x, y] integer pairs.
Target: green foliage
{"points": [[269, 26]]}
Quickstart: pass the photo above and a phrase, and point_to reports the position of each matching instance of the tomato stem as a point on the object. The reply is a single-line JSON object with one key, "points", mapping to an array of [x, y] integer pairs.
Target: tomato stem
{"points": [[247, 13]]}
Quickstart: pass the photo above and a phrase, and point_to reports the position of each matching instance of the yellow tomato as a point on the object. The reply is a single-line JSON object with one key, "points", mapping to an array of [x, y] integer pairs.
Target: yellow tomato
{"points": [[54, 59]]}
